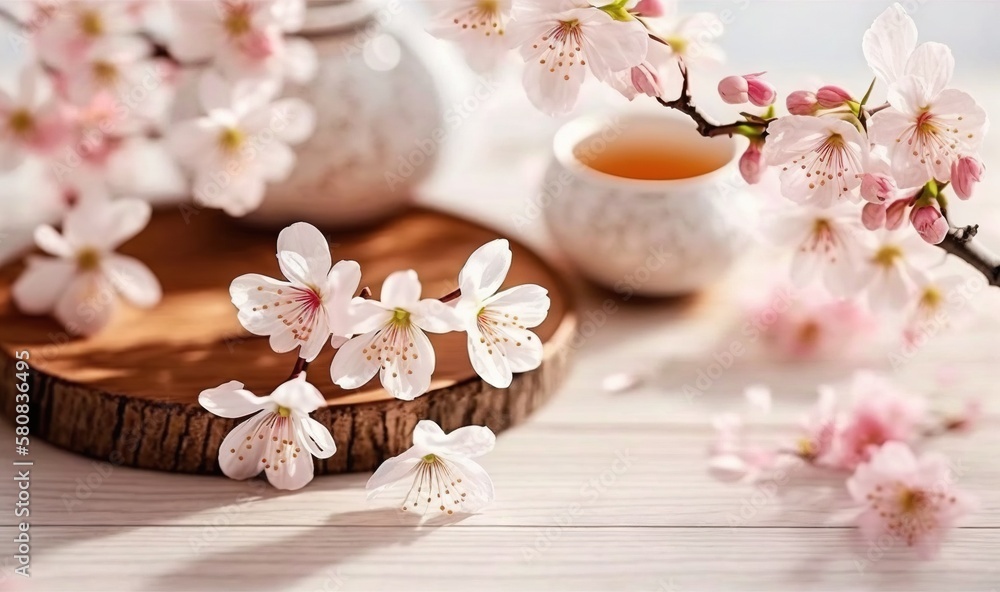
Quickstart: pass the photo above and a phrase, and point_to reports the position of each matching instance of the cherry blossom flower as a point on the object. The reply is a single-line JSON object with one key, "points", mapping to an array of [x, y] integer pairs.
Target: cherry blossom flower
{"points": [[497, 322], [937, 303], [304, 311], [816, 326], [818, 428], [441, 468], [822, 159], [880, 413], [691, 43], [391, 340], [66, 30], [30, 121], [829, 244], [889, 271], [244, 37], [928, 126], [279, 438], [80, 282], [242, 143], [561, 40], [479, 27], [912, 501]]}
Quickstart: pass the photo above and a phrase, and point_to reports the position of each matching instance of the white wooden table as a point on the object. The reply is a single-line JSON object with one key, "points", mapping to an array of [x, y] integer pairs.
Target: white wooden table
{"points": [[597, 491]]}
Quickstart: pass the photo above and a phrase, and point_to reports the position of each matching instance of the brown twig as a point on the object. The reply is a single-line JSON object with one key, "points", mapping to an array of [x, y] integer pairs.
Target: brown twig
{"points": [[453, 295], [959, 243], [685, 105], [300, 366]]}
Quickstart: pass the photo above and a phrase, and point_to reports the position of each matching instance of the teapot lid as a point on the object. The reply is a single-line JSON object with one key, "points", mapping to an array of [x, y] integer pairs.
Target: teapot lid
{"points": [[325, 16]]}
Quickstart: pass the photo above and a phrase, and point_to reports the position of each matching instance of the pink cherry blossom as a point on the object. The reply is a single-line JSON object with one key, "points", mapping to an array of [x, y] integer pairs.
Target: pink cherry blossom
{"points": [[831, 97], [560, 47], [828, 243], [912, 501], [822, 159], [873, 216], [928, 126], [965, 173], [479, 28], [646, 80], [877, 187], [30, 121], [752, 165], [929, 224], [818, 429], [880, 413], [818, 326], [802, 102], [64, 31], [889, 271]]}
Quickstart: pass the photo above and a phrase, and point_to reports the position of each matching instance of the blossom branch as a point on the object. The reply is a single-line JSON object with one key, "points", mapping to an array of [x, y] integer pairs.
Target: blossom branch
{"points": [[685, 105], [959, 243]]}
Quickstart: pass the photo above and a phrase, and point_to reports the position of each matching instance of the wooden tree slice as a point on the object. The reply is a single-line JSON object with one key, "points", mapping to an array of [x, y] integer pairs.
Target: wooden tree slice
{"points": [[129, 395]]}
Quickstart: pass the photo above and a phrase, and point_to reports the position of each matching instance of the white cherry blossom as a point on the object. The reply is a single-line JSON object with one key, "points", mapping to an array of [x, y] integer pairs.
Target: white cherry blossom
{"points": [[441, 471], [561, 40], [497, 323], [391, 341], [478, 27], [822, 159], [242, 143], [79, 284], [829, 245], [30, 121], [307, 308], [890, 270], [280, 438]]}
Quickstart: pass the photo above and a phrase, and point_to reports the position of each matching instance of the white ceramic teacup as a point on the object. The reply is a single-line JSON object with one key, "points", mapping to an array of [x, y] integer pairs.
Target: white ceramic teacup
{"points": [[645, 236]]}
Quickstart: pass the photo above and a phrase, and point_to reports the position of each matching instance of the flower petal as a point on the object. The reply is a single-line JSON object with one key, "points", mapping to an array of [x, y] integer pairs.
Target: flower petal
{"points": [[351, 368], [934, 64], [401, 290], [41, 284], [468, 441], [488, 360], [315, 437], [298, 394], [524, 350], [476, 483], [393, 470], [232, 400], [87, 304], [409, 378], [487, 267], [49, 240], [133, 280], [241, 451], [435, 316], [342, 283], [105, 224], [286, 467], [367, 316], [889, 42], [307, 241], [527, 304]]}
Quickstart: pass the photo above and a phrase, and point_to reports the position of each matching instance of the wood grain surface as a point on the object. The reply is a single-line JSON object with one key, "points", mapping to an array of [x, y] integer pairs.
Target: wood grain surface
{"points": [[131, 391]]}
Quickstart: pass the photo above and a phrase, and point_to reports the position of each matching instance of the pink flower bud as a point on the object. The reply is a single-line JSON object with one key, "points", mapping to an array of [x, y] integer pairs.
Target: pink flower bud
{"points": [[831, 97], [652, 8], [646, 80], [752, 164], [873, 216], [876, 187], [929, 224], [895, 213], [965, 173], [257, 45], [762, 94], [801, 102], [734, 90]]}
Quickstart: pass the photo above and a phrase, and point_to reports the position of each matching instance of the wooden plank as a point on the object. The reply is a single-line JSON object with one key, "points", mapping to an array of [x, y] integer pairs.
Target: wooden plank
{"points": [[327, 558]]}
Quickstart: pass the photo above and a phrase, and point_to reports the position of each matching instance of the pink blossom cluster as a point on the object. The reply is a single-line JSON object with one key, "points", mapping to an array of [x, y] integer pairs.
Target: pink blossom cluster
{"points": [[873, 437], [93, 123], [102, 83]]}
